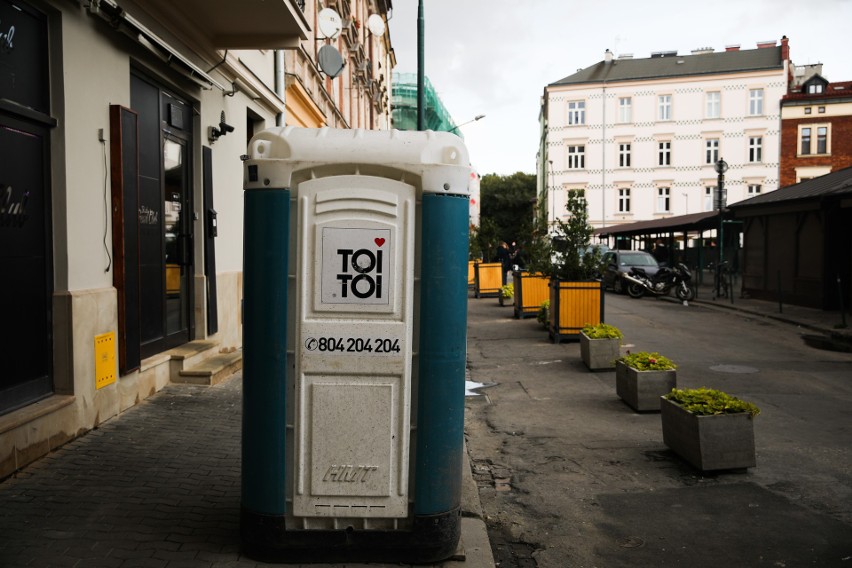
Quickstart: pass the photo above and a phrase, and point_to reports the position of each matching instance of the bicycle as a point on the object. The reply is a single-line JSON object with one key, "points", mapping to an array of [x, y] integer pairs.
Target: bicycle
{"points": [[722, 282]]}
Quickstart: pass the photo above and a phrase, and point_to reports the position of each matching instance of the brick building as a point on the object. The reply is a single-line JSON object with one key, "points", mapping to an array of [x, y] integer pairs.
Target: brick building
{"points": [[816, 127]]}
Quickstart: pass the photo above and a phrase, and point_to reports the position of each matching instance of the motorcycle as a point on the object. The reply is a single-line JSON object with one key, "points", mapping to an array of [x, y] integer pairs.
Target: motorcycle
{"points": [[675, 277]]}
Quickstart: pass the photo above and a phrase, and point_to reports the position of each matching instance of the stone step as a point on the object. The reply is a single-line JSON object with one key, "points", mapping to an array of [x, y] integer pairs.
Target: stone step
{"points": [[212, 370], [190, 354]]}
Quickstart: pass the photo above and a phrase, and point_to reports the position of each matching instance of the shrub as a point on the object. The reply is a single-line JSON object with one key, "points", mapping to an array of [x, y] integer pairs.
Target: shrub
{"points": [[507, 291], [645, 361], [543, 316], [602, 331], [706, 402]]}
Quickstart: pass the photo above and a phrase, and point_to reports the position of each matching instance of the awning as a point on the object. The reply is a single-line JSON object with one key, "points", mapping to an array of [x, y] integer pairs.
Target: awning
{"points": [[694, 222], [232, 24]]}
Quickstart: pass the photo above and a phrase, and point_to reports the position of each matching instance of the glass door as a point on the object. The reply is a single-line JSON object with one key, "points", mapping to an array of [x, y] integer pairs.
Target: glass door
{"points": [[165, 216], [176, 235]]}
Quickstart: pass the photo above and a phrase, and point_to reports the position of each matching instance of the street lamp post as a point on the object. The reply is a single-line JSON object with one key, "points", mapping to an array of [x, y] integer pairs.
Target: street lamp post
{"points": [[421, 72], [474, 119], [721, 167]]}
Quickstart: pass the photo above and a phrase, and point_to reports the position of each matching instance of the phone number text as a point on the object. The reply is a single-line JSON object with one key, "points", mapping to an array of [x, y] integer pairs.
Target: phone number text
{"points": [[375, 345]]}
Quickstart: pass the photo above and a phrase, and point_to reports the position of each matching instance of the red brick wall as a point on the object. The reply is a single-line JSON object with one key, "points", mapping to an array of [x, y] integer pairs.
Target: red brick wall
{"points": [[841, 145]]}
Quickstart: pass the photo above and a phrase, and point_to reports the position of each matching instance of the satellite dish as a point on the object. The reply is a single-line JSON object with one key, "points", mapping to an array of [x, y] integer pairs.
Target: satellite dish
{"points": [[376, 25], [330, 61], [329, 23]]}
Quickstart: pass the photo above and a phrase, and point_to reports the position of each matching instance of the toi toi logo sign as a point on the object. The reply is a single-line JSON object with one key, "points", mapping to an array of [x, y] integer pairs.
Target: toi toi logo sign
{"points": [[356, 267], [364, 280]]}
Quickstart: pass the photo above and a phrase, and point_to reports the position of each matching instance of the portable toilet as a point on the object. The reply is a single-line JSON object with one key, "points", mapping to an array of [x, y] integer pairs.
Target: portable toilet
{"points": [[355, 314]]}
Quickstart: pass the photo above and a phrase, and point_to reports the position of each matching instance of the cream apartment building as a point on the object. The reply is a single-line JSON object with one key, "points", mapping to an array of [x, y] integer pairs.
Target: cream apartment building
{"points": [[642, 136], [122, 124]]}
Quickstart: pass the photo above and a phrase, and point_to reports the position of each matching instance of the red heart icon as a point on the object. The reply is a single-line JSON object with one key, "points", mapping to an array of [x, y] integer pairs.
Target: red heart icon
{"points": [[379, 242]]}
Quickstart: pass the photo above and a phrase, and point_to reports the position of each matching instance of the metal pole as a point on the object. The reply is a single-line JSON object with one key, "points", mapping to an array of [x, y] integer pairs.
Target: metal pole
{"points": [[721, 168], [603, 159], [720, 187], [421, 111]]}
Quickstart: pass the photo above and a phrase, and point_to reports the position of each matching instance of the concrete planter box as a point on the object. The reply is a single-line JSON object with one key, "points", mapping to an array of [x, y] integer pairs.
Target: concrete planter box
{"points": [[641, 390], [709, 443], [599, 354]]}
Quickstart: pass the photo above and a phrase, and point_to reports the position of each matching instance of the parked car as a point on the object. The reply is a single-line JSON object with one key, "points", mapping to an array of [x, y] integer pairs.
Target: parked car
{"points": [[556, 255], [617, 263]]}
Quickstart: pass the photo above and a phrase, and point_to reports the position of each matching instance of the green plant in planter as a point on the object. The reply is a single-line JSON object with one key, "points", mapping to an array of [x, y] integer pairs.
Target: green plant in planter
{"points": [[507, 291], [602, 331], [705, 402], [573, 256], [647, 361], [544, 313]]}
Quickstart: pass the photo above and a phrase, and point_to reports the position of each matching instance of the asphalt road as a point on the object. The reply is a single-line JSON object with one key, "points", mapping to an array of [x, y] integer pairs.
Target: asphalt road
{"points": [[569, 476]]}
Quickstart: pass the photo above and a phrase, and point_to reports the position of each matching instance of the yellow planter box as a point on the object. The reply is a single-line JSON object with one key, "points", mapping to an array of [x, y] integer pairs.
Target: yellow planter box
{"points": [[531, 290], [488, 279], [573, 305], [471, 273]]}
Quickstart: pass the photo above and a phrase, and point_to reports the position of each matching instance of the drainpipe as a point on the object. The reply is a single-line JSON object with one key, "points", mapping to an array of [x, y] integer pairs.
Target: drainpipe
{"points": [[279, 83], [608, 64]]}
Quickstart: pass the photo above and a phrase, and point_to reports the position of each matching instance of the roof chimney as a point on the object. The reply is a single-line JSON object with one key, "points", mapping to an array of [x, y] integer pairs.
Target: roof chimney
{"points": [[608, 56], [702, 50], [765, 44], [785, 49], [733, 47]]}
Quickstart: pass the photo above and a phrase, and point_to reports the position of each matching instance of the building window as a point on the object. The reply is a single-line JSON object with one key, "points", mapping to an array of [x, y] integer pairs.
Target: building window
{"points": [[806, 140], [576, 157], [709, 192], [624, 155], [665, 107], [822, 140], [576, 113], [625, 105], [755, 102], [815, 88], [712, 151], [665, 154], [755, 149], [714, 105], [821, 110], [807, 110], [754, 188], [663, 199], [624, 200]]}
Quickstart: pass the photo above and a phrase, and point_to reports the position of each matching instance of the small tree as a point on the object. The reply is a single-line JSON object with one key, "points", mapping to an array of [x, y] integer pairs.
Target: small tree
{"points": [[538, 248], [487, 238], [573, 256], [475, 248]]}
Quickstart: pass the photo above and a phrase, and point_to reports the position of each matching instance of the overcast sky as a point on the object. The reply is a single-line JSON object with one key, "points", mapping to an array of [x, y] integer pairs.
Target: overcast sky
{"points": [[494, 57]]}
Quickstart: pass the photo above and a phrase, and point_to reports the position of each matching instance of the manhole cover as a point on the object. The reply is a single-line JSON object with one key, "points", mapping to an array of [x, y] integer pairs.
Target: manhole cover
{"points": [[735, 369]]}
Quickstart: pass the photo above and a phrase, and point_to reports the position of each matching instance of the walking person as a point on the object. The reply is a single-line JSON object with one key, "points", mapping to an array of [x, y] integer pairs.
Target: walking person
{"points": [[504, 257]]}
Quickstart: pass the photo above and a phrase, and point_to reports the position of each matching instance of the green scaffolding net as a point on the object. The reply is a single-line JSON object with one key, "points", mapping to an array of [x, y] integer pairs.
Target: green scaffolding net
{"points": [[404, 105]]}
